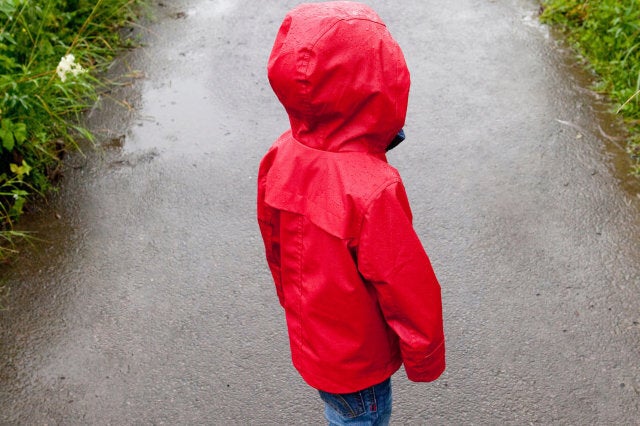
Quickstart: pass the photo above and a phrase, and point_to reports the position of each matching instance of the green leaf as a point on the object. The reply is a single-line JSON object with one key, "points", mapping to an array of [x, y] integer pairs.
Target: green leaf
{"points": [[7, 139], [8, 7], [7, 36], [12, 133], [16, 209], [20, 133], [22, 170]]}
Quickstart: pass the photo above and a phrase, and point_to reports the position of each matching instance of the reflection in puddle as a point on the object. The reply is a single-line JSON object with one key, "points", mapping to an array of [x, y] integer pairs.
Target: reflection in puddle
{"points": [[218, 8], [173, 116]]}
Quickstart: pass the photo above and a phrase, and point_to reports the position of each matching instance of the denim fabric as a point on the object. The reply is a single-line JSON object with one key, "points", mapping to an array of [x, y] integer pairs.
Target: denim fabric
{"points": [[371, 406]]}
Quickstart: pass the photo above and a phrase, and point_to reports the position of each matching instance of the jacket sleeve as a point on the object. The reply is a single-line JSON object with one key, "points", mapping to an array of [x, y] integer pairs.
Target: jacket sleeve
{"points": [[269, 222], [392, 259]]}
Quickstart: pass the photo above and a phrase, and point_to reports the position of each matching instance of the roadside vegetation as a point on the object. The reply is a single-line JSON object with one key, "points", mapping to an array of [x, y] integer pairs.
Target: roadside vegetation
{"points": [[606, 33], [52, 53]]}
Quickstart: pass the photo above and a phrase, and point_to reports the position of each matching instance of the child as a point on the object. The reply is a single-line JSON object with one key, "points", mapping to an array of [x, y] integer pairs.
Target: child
{"points": [[357, 287]]}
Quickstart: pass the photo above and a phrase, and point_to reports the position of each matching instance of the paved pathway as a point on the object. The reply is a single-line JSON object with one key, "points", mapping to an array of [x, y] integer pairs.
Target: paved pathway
{"points": [[149, 301]]}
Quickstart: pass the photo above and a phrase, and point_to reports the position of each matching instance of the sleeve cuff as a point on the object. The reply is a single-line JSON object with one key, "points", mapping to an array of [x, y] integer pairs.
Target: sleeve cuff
{"points": [[429, 368]]}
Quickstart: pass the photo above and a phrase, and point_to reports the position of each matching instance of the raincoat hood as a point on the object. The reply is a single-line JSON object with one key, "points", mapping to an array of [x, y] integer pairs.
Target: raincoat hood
{"points": [[341, 77]]}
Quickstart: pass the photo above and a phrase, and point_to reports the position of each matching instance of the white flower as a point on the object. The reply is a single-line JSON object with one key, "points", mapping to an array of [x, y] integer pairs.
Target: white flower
{"points": [[67, 65]]}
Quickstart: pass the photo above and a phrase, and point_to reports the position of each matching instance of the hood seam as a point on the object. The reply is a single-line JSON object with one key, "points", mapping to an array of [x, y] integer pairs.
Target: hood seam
{"points": [[307, 55]]}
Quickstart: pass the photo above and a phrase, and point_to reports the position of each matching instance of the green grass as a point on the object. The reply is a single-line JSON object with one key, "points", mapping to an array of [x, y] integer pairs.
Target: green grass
{"points": [[606, 33], [40, 108]]}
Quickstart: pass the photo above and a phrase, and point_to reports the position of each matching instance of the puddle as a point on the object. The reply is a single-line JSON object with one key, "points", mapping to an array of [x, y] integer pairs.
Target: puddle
{"points": [[172, 116], [531, 19], [217, 9]]}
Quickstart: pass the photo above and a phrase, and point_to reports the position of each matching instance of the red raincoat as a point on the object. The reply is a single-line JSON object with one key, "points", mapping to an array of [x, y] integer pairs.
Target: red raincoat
{"points": [[357, 287]]}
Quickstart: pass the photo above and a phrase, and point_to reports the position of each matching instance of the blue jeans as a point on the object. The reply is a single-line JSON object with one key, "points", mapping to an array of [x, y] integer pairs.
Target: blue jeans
{"points": [[371, 406]]}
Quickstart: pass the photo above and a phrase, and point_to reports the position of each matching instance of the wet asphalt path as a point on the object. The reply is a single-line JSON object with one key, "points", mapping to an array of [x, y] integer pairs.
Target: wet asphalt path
{"points": [[148, 300]]}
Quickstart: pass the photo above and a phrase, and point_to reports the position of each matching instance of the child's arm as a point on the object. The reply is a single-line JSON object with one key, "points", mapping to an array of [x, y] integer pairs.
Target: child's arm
{"points": [[270, 229], [392, 259], [269, 222]]}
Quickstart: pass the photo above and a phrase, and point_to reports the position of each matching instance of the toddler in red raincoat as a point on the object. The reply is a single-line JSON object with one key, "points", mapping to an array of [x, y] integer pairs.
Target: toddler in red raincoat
{"points": [[358, 290]]}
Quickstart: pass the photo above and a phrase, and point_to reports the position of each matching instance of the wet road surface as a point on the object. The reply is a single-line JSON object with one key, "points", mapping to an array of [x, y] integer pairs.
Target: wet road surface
{"points": [[148, 301]]}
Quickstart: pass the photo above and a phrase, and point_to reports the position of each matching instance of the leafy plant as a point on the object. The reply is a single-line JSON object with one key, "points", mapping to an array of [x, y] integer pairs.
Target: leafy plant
{"points": [[50, 54]]}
